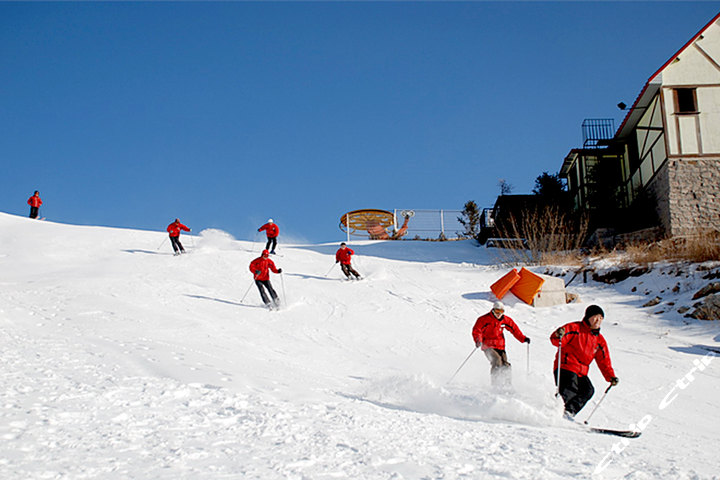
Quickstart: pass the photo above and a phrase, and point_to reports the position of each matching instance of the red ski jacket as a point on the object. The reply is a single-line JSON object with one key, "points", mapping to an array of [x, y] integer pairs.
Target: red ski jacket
{"points": [[262, 265], [489, 331], [175, 227], [271, 230], [34, 201], [580, 347], [343, 255]]}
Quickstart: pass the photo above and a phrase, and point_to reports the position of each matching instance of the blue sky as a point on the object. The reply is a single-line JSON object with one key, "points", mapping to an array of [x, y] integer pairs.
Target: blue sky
{"points": [[225, 114]]}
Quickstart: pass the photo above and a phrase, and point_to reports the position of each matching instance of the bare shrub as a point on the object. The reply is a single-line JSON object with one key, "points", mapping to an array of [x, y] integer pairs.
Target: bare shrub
{"points": [[551, 235]]}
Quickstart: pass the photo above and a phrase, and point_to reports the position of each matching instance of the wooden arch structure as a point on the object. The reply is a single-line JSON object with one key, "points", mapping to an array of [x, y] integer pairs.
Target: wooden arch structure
{"points": [[379, 224]]}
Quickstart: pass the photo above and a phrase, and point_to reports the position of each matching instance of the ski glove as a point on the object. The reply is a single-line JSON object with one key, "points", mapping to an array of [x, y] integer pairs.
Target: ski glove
{"points": [[614, 381], [257, 273], [478, 344], [527, 340], [560, 332], [279, 270]]}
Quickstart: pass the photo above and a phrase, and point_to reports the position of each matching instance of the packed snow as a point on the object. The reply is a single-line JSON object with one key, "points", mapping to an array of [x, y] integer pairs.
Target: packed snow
{"points": [[122, 361]]}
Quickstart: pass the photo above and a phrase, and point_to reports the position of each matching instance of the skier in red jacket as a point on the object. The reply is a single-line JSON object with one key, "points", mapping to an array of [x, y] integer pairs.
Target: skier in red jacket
{"points": [[174, 232], [579, 344], [342, 256], [34, 203], [272, 231], [488, 334], [260, 268]]}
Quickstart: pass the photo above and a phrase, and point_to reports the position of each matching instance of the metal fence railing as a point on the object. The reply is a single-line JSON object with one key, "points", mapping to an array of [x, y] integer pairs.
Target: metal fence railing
{"points": [[429, 224], [404, 224]]}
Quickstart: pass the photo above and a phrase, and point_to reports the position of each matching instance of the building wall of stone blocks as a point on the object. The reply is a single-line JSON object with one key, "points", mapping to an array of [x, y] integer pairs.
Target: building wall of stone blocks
{"points": [[693, 196], [659, 189]]}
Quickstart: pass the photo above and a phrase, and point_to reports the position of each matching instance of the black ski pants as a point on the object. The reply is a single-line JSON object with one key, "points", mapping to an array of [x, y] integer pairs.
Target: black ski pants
{"points": [[499, 367], [266, 285], [177, 246], [576, 390], [34, 212], [272, 241], [348, 269]]}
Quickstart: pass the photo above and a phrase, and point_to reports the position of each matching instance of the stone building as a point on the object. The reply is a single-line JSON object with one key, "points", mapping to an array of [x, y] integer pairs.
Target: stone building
{"points": [[666, 153]]}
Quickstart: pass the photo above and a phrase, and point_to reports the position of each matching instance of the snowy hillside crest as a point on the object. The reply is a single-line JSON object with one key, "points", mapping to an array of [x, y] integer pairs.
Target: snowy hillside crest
{"points": [[121, 360]]}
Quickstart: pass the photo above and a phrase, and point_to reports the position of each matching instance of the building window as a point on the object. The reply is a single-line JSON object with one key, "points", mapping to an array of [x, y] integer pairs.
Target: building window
{"points": [[685, 99]]}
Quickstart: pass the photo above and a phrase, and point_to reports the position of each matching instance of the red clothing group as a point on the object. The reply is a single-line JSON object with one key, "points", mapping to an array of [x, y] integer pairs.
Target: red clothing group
{"points": [[580, 346], [175, 227], [488, 331], [263, 265], [34, 201], [271, 230], [343, 255]]}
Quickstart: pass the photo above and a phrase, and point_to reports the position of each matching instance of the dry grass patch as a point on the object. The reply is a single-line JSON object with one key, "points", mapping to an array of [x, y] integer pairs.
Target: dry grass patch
{"points": [[699, 247]]}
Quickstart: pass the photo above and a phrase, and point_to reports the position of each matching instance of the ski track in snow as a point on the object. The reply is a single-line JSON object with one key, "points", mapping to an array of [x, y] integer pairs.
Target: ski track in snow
{"points": [[122, 361]]}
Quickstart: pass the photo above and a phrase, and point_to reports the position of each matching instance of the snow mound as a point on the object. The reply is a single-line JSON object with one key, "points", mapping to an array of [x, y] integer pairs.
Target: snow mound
{"points": [[417, 393], [215, 239]]}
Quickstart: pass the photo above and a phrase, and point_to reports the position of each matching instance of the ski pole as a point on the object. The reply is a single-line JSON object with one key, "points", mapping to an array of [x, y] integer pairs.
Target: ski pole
{"points": [[598, 403], [246, 292], [328, 272], [559, 358], [282, 282], [461, 365], [528, 359], [163, 243]]}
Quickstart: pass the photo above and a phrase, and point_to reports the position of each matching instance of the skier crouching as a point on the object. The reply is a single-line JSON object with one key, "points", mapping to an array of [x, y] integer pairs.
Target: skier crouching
{"points": [[260, 268], [488, 334], [343, 257], [579, 343]]}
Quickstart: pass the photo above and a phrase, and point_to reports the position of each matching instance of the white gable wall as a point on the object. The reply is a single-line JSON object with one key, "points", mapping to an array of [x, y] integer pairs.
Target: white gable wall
{"points": [[709, 104], [697, 66], [692, 66]]}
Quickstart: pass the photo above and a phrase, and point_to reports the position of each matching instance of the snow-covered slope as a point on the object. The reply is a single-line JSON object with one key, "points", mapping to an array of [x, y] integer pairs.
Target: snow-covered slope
{"points": [[120, 360]]}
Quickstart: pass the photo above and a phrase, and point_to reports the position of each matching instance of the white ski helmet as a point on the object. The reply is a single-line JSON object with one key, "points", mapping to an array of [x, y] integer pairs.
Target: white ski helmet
{"points": [[270, 220]]}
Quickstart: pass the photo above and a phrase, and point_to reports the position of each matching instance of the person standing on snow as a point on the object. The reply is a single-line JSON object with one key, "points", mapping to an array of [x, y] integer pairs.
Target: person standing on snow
{"points": [[272, 231], [488, 335], [34, 203], [260, 268], [174, 232], [342, 256], [579, 344]]}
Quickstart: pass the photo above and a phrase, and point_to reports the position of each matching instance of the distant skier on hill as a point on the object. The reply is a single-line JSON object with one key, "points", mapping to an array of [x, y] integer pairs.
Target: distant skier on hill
{"points": [[488, 335], [34, 203], [342, 256], [260, 268], [579, 344], [174, 231], [272, 231]]}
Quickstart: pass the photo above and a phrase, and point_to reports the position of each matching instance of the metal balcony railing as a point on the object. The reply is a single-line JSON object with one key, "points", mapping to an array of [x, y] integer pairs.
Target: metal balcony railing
{"points": [[597, 129]]}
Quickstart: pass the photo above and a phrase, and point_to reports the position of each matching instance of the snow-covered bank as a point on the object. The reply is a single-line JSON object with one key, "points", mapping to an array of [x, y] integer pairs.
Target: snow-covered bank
{"points": [[122, 361]]}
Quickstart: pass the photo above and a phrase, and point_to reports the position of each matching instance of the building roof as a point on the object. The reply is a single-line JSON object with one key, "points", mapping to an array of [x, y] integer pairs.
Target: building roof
{"points": [[653, 84]]}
